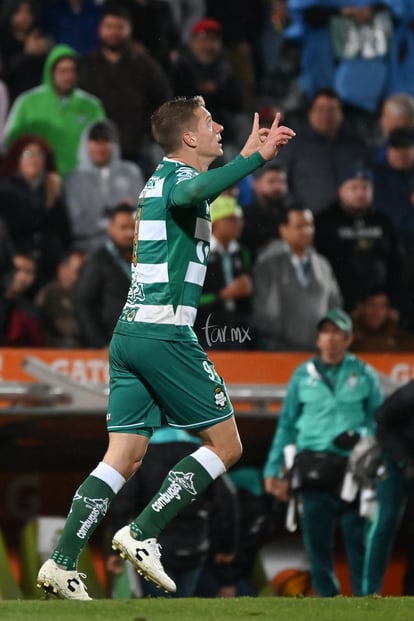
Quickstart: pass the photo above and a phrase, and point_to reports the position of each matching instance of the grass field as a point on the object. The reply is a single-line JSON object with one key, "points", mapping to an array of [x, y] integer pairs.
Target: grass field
{"points": [[239, 609]]}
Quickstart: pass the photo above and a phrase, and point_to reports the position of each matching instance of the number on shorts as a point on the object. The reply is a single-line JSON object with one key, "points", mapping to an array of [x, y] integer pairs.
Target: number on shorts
{"points": [[210, 372]]}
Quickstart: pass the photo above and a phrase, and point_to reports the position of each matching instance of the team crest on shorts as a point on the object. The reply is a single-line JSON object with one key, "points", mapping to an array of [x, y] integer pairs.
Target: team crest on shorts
{"points": [[220, 397]]}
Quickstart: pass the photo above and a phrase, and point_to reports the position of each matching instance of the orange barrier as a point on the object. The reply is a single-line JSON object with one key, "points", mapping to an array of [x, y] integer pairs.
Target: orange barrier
{"points": [[87, 365]]}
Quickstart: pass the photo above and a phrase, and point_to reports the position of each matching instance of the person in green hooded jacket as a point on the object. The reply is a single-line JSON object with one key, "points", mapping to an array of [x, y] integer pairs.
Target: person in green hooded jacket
{"points": [[57, 110], [330, 403]]}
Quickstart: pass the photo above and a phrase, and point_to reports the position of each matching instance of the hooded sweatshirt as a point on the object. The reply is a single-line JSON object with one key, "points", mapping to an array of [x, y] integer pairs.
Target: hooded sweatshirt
{"points": [[91, 190], [59, 120]]}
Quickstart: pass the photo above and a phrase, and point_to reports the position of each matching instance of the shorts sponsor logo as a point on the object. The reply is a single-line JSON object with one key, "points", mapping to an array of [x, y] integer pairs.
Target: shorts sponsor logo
{"points": [[179, 481], [98, 506]]}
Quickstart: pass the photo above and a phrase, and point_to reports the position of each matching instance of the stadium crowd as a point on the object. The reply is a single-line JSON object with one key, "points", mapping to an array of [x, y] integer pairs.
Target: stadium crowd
{"points": [[328, 225]]}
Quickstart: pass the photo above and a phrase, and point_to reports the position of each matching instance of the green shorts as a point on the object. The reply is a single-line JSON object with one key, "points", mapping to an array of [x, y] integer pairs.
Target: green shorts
{"points": [[150, 378]]}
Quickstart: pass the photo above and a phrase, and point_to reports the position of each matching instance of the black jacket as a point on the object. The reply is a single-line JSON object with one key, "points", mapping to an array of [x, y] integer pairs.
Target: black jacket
{"points": [[100, 295], [130, 91], [33, 227], [395, 419], [363, 250]]}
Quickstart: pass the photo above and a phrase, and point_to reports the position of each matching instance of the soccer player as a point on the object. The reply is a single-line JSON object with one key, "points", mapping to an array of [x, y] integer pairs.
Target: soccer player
{"points": [[157, 367]]}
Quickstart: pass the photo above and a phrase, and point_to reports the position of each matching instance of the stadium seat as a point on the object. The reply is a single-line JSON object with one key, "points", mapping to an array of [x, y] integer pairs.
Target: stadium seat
{"points": [[9, 588], [37, 540]]}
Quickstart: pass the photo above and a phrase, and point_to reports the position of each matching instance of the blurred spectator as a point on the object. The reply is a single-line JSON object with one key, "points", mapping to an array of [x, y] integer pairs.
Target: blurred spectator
{"points": [[393, 184], [202, 68], [225, 304], [309, 29], [397, 111], [242, 22], [104, 280], [57, 111], [360, 243], [23, 46], [361, 39], [376, 325], [330, 403], [72, 22], [322, 151], [266, 211], [346, 46], [185, 14], [32, 205], [100, 182], [293, 287], [55, 303], [129, 82], [154, 27], [272, 36], [402, 49], [21, 327], [209, 523]]}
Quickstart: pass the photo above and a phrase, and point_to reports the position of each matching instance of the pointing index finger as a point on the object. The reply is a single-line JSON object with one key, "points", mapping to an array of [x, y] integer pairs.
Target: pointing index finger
{"points": [[276, 120], [255, 127]]}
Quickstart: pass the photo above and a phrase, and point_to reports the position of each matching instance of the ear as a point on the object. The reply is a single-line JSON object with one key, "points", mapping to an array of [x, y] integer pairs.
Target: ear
{"points": [[189, 140]]}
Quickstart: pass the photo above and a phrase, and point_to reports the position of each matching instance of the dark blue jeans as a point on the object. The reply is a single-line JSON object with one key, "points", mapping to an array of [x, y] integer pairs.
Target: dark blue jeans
{"points": [[320, 513]]}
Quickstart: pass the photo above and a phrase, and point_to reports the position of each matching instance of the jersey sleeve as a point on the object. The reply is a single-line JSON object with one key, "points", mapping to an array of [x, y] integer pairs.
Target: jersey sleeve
{"points": [[206, 186]]}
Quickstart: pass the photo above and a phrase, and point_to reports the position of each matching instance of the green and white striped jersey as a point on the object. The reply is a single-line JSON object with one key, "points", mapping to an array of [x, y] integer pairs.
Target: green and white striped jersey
{"points": [[171, 249]]}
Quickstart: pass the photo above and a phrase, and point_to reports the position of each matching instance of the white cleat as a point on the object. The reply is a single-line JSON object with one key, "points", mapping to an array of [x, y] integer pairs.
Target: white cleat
{"points": [[145, 556], [61, 582]]}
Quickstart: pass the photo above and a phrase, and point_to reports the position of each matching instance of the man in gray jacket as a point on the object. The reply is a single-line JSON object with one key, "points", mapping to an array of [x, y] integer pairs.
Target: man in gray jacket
{"points": [[100, 182], [293, 287]]}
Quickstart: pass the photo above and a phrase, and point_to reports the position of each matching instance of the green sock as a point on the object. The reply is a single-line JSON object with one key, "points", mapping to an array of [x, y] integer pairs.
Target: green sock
{"points": [[89, 506], [181, 486]]}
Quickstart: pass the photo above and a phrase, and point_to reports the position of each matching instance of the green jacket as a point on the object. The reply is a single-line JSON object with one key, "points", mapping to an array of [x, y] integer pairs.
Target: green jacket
{"points": [[314, 413], [60, 121]]}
